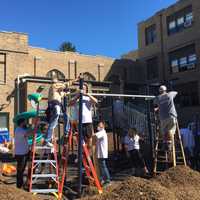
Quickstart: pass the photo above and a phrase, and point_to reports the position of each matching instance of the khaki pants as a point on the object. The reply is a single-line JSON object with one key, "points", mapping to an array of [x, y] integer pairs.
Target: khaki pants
{"points": [[168, 127]]}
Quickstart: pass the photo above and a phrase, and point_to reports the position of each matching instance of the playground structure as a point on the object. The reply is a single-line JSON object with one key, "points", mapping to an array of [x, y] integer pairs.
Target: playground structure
{"points": [[134, 117]]}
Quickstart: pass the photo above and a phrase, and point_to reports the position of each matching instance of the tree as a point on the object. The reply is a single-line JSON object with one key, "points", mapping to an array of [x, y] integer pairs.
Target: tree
{"points": [[67, 46]]}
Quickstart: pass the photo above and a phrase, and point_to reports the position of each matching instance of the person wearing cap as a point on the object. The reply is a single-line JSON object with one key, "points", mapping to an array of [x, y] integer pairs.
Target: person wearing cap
{"points": [[55, 95], [164, 103]]}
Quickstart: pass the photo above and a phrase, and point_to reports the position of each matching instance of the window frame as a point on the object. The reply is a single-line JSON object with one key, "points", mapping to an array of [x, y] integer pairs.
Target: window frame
{"points": [[150, 34], [3, 82], [57, 73], [186, 59], [7, 114], [186, 14], [153, 75]]}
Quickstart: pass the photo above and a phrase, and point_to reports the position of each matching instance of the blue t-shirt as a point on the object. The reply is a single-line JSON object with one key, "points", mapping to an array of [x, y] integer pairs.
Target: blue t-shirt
{"points": [[21, 142]]}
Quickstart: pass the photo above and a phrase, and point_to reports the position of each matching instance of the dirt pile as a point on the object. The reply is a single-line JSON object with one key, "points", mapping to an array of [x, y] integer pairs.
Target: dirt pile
{"points": [[180, 183], [8, 192]]}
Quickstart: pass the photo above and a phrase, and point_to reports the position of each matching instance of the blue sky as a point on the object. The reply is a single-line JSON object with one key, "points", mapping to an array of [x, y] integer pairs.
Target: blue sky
{"points": [[96, 27]]}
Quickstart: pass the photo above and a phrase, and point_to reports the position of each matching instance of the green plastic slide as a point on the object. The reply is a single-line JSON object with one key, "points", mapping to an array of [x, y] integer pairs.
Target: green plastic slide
{"points": [[26, 115], [35, 97]]}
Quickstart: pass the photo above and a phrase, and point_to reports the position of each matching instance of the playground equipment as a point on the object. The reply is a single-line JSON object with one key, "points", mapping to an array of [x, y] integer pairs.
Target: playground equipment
{"points": [[57, 173], [134, 118]]}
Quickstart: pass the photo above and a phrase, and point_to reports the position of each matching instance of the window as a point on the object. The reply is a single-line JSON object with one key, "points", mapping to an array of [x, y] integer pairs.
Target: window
{"points": [[183, 59], [4, 126], [2, 68], [188, 94], [152, 68], [189, 17], [180, 20], [174, 65], [55, 73], [150, 34], [88, 76]]}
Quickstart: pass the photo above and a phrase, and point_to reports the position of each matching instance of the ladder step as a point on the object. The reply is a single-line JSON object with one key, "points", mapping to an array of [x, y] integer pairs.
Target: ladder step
{"points": [[44, 175], [164, 161], [43, 147], [44, 161], [44, 190]]}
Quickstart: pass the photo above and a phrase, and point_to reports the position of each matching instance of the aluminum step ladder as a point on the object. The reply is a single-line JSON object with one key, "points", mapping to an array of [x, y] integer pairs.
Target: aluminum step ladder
{"points": [[163, 159], [38, 179]]}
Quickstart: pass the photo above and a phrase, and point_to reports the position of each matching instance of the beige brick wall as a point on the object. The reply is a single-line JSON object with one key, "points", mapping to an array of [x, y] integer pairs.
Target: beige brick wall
{"points": [[20, 60]]}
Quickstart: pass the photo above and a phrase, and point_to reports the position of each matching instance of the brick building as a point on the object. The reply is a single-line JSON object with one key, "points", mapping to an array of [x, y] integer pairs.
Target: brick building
{"points": [[169, 49], [17, 58]]}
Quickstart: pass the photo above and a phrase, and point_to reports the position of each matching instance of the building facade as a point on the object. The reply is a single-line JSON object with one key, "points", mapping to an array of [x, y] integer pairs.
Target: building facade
{"points": [[169, 49], [18, 59]]}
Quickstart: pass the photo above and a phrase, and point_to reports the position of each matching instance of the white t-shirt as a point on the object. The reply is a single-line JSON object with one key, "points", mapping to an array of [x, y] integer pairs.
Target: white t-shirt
{"points": [[21, 142], [187, 138], [102, 144], [87, 110], [132, 143]]}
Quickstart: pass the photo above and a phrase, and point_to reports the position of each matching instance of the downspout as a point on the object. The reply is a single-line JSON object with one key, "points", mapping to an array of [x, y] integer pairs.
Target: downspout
{"points": [[162, 49]]}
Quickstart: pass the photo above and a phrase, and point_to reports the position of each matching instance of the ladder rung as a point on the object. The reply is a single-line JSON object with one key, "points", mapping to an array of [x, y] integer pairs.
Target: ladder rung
{"points": [[44, 175], [43, 147], [161, 157], [44, 161], [163, 161], [180, 163], [44, 190]]}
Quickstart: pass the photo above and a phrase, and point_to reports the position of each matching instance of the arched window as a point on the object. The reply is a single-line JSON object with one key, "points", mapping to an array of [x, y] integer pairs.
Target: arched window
{"points": [[58, 74], [88, 76]]}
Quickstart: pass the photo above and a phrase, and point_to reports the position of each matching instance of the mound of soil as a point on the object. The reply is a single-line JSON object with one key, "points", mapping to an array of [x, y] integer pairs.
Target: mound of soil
{"points": [[179, 183], [8, 192], [182, 181], [135, 189]]}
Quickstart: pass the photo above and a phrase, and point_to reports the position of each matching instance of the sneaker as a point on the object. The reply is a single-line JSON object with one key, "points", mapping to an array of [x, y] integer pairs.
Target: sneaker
{"points": [[107, 183], [102, 182]]}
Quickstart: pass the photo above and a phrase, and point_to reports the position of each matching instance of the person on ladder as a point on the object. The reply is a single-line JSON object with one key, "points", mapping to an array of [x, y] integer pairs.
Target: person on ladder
{"points": [[88, 102], [56, 93], [164, 103]]}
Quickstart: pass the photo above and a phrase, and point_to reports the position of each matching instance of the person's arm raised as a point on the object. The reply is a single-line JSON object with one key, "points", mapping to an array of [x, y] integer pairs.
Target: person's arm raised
{"points": [[93, 99]]}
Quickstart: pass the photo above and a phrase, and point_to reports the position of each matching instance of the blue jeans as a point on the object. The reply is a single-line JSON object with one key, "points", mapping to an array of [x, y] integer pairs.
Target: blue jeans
{"points": [[105, 175], [53, 122], [66, 124]]}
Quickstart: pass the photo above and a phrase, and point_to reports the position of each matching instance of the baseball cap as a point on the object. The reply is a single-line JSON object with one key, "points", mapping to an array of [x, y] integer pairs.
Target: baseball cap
{"points": [[162, 88]]}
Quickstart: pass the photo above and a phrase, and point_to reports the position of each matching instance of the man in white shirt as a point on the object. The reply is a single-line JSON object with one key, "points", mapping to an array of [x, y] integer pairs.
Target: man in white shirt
{"points": [[102, 152], [88, 102], [21, 149]]}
